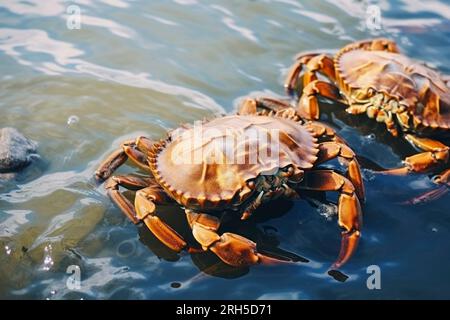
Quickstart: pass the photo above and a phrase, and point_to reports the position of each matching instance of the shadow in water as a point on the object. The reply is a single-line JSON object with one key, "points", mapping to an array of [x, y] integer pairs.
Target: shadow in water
{"points": [[33, 170], [257, 228]]}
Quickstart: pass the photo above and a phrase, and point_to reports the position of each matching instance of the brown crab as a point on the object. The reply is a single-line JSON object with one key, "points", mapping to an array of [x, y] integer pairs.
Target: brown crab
{"points": [[208, 184], [372, 77]]}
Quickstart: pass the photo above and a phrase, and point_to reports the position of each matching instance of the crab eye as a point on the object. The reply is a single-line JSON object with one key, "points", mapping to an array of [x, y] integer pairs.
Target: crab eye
{"points": [[251, 184]]}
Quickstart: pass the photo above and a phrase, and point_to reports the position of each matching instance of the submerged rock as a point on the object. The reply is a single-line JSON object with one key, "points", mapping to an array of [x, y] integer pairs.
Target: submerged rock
{"points": [[16, 150]]}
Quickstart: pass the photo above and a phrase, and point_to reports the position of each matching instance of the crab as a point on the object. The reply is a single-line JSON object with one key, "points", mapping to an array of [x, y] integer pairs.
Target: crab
{"points": [[372, 77], [194, 168]]}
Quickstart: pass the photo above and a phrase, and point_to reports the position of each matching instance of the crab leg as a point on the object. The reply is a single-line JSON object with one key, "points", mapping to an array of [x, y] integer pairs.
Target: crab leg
{"points": [[308, 106], [112, 188], [231, 248], [314, 62], [321, 63], [292, 78], [349, 210], [145, 203], [331, 150], [129, 182], [148, 195], [110, 164], [337, 147], [135, 150], [267, 106], [324, 131], [252, 105], [435, 154]]}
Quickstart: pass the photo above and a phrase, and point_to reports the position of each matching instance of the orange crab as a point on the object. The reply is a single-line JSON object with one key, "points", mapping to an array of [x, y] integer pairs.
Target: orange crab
{"points": [[371, 77], [209, 187]]}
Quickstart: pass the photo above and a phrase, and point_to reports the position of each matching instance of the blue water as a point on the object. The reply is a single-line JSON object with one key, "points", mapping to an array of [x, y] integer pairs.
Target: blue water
{"points": [[147, 66]]}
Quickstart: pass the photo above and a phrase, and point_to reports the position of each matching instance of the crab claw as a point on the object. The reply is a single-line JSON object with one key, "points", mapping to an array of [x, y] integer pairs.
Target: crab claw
{"points": [[235, 250], [231, 248], [238, 251]]}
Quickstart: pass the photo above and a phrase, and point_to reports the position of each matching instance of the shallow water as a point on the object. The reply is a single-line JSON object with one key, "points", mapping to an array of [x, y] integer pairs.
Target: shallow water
{"points": [[147, 66]]}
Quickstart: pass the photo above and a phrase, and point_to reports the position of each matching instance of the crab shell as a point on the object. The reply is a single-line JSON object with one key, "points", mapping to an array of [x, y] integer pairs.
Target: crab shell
{"points": [[396, 76], [199, 166]]}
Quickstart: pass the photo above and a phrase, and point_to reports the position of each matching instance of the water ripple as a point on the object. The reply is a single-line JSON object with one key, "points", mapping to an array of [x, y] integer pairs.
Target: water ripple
{"points": [[43, 186], [437, 7], [13, 41], [15, 219], [142, 67], [114, 27], [34, 7], [116, 3], [246, 33], [162, 20]]}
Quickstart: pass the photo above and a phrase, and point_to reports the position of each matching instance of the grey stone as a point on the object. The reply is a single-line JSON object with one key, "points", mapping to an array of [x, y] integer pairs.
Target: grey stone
{"points": [[16, 151]]}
